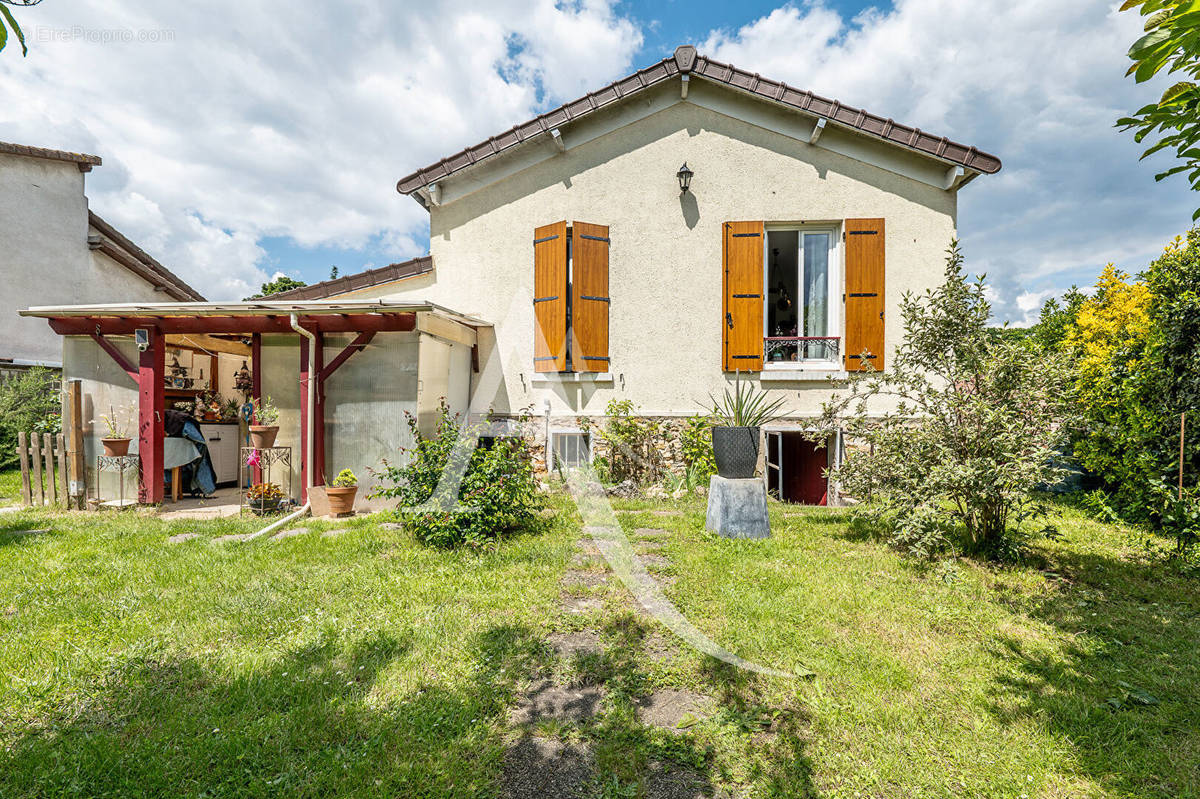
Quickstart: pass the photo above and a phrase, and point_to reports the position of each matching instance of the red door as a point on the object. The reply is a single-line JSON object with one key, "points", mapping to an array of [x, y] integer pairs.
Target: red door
{"points": [[802, 476]]}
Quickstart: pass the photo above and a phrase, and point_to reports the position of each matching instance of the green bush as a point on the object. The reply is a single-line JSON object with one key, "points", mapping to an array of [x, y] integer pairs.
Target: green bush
{"points": [[632, 445], [28, 403], [498, 493], [695, 441]]}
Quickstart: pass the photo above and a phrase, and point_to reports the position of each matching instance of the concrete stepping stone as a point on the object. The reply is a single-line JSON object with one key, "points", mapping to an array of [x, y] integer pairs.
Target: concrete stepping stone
{"points": [[582, 604], [221, 539], [393, 526], [658, 647], [651, 559], [179, 538], [568, 645], [651, 532], [334, 533], [668, 708], [586, 579], [290, 532], [648, 547], [540, 768], [548, 701], [672, 781], [23, 533]]}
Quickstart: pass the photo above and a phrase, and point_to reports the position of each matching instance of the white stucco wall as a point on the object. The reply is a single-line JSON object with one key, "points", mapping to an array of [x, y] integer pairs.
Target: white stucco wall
{"points": [[44, 256], [665, 255]]}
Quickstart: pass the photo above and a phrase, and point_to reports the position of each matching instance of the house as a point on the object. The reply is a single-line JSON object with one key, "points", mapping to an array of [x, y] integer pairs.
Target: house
{"points": [[785, 258], [54, 250], [648, 242]]}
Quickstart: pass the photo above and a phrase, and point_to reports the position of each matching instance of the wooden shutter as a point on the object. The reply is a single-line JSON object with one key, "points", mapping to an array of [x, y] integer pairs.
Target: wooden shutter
{"points": [[550, 298], [589, 297], [742, 310], [864, 294]]}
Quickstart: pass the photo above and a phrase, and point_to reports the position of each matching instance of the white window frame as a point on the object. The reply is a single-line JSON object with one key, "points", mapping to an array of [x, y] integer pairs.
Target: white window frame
{"points": [[586, 450], [837, 274]]}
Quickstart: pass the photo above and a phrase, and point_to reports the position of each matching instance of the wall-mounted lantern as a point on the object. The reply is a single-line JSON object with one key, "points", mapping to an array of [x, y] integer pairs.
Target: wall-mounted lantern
{"points": [[685, 177]]}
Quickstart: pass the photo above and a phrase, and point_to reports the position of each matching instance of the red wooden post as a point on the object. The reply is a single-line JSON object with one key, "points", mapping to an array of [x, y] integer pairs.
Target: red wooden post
{"points": [[319, 414], [256, 382], [304, 411], [151, 407]]}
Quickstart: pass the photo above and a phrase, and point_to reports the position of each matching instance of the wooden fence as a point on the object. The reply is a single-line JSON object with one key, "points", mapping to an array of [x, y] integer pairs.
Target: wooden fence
{"points": [[39, 454]]}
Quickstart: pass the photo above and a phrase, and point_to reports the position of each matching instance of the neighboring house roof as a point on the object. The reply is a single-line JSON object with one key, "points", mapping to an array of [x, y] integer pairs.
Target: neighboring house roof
{"points": [[686, 61], [360, 280], [85, 161], [113, 244]]}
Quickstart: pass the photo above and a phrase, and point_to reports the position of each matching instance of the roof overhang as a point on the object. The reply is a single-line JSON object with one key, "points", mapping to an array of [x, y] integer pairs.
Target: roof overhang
{"points": [[262, 316]]}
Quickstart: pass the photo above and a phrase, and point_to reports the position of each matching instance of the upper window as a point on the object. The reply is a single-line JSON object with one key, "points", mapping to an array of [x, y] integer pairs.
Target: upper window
{"points": [[800, 320], [570, 275]]}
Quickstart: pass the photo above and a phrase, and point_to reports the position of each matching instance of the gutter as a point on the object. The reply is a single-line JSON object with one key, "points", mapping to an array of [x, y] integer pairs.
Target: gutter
{"points": [[308, 444]]}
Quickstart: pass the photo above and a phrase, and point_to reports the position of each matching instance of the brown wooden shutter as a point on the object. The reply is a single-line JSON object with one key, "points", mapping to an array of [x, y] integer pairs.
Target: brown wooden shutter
{"points": [[589, 297], [550, 297], [742, 309], [864, 294]]}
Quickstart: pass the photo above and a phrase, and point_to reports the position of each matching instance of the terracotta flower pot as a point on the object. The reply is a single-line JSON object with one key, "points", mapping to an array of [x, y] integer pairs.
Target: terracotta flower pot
{"points": [[341, 499], [115, 446], [263, 436]]}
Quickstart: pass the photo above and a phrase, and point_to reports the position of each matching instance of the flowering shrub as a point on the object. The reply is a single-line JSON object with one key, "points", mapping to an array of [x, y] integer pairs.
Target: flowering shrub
{"points": [[497, 495]]}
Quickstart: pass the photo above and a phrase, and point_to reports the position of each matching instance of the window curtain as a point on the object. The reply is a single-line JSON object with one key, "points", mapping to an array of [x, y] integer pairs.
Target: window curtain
{"points": [[816, 284]]}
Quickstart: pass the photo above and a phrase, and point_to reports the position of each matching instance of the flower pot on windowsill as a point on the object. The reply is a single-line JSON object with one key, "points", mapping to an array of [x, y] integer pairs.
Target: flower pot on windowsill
{"points": [[341, 499], [115, 446], [735, 450], [263, 436]]}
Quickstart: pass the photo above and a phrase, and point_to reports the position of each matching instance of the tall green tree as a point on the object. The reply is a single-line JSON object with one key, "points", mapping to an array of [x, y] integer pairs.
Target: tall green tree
{"points": [[1171, 42]]}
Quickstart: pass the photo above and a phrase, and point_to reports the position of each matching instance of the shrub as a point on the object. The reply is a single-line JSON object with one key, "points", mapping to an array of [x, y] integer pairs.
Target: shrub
{"points": [[976, 422], [695, 441], [28, 403], [497, 495], [345, 478], [632, 445]]}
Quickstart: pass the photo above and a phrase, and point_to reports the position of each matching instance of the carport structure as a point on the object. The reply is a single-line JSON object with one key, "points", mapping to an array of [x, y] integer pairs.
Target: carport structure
{"points": [[151, 324]]}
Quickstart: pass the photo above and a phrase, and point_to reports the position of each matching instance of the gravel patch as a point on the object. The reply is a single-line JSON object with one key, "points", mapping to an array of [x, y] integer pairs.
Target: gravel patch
{"points": [[586, 579], [546, 701], [537, 768]]}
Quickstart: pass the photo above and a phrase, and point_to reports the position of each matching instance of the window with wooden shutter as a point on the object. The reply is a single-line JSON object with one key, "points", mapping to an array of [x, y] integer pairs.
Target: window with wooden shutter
{"points": [[550, 297], [864, 294], [742, 309], [589, 297]]}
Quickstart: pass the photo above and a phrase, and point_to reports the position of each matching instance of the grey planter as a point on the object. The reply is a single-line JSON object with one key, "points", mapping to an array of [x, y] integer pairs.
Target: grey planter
{"points": [[736, 451]]}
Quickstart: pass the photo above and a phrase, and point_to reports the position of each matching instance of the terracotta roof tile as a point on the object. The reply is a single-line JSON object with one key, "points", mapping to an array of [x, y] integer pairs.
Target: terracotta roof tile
{"points": [[359, 280], [686, 60], [84, 160]]}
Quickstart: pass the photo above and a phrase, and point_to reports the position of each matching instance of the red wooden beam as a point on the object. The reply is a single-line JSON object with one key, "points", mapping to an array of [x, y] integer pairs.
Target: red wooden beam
{"points": [[327, 323], [117, 356], [317, 373], [361, 341], [151, 406], [256, 382]]}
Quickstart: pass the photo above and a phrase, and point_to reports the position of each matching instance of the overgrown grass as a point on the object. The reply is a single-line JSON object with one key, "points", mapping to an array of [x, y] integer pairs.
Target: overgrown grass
{"points": [[368, 665], [10, 486]]}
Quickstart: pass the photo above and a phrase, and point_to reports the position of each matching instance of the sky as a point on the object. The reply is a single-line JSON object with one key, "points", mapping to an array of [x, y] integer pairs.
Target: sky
{"points": [[246, 140]]}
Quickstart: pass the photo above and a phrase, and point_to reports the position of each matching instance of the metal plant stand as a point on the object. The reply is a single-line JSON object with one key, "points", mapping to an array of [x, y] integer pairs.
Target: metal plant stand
{"points": [[269, 458], [120, 465]]}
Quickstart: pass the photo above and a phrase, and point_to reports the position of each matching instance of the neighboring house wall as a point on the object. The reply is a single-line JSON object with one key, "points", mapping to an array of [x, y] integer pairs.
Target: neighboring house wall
{"points": [[665, 256], [44, 255]]}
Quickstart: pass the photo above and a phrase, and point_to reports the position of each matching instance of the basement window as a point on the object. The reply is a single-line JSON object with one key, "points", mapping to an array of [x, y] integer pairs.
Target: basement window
{"points": [[571, 450]]}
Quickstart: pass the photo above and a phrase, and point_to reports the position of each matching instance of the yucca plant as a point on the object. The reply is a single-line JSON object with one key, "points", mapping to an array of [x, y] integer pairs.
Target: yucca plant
{"points": [[744, 406]]}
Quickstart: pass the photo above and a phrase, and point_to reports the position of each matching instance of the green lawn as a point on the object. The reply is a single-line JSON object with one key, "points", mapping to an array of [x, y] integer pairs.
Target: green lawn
{"points": [[10, 486], [367, 665]]}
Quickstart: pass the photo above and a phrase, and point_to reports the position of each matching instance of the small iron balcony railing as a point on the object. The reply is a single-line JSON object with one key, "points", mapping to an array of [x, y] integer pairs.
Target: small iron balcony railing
{"points": [[785, 349]]}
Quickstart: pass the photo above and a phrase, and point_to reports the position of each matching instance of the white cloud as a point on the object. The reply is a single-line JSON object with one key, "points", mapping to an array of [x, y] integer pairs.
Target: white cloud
{"points": [[1039, 84], [294, 119]]}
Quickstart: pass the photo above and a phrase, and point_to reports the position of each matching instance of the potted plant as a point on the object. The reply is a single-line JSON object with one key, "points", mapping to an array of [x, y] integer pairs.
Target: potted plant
{"points": [[116, 438], [739, 416], [341, 493], [264, 429], [264, 498]]}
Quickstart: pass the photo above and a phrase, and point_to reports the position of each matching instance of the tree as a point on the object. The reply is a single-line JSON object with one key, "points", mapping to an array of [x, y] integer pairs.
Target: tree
{"points": [[29, 403], [6, 17], [279, 284], [947, 446], [1171, 41]]}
